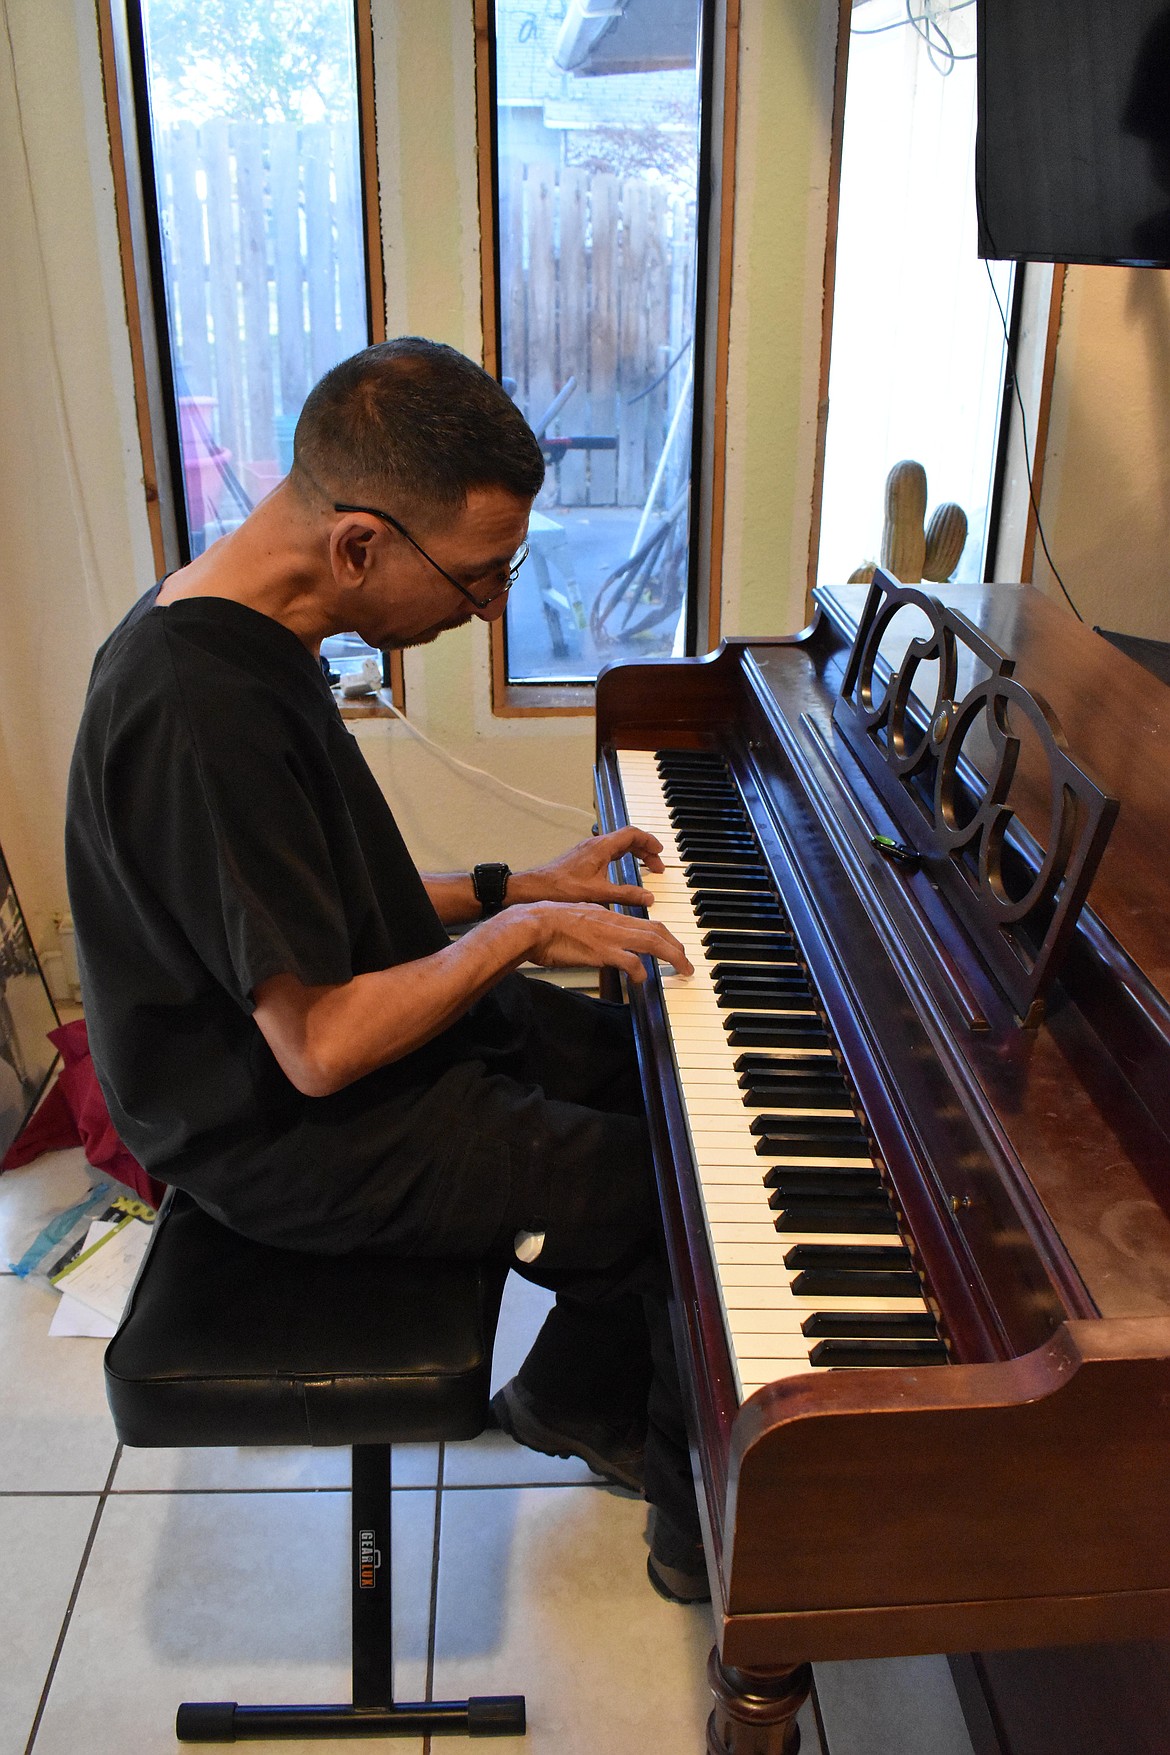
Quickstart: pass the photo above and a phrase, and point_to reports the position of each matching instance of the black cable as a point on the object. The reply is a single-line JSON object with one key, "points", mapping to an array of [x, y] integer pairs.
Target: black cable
{"points": [[947, 66], [1024, 424], [914, 18]]}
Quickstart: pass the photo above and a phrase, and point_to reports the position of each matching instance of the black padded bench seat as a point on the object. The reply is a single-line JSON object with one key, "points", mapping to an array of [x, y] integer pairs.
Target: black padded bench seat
{"points": [[229, 1342]]}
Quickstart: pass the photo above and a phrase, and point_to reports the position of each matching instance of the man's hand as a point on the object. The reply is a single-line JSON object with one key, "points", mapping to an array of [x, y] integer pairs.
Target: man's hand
{"points": [[325, 1037], [571, 934], [582, 874]]}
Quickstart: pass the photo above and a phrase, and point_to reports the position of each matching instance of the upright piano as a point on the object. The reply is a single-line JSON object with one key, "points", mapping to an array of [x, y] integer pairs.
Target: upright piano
{"points": [[911, 1125]]}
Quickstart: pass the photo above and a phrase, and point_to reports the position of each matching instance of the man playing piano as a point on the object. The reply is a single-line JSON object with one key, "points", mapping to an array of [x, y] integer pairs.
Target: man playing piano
{"points": [[280, 1022]]}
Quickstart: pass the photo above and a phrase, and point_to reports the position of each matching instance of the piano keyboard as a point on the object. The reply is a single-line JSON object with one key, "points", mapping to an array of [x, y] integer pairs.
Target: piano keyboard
{"points": [[813, 1274]]}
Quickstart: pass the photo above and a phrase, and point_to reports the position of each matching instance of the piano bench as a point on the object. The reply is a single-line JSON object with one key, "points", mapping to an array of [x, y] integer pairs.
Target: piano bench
{"points": [[229, 1342]]}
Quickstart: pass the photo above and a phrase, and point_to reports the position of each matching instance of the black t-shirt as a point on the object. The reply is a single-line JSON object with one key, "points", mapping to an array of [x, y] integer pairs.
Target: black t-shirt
{"points": [[223, 827]]}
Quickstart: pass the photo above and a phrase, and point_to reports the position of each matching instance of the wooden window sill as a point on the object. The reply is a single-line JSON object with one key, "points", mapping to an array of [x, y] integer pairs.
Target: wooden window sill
{"points": [[376, 706], [526, 700]]}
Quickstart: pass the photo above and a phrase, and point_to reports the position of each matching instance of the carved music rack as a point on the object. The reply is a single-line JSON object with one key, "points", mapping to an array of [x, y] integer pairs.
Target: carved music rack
{"points": [[1016, 899]]}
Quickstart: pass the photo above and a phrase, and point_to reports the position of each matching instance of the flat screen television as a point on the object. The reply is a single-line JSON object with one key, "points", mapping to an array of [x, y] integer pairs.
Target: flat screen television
{"points": [[1072, 159]]}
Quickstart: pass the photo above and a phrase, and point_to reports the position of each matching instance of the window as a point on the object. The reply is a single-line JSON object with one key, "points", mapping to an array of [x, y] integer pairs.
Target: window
{"points": [[597, 141], [253, 165], [918, 354]]}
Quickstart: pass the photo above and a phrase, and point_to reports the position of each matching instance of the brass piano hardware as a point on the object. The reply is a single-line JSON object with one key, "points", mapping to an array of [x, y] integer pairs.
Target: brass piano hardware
{"points": [[1017, 902], [960, 1202], [942, 721]]}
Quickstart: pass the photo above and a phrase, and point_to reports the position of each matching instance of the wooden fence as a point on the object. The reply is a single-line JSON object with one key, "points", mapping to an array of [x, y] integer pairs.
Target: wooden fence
{"points": [[263, 228], [597, 283], [266, 263]]}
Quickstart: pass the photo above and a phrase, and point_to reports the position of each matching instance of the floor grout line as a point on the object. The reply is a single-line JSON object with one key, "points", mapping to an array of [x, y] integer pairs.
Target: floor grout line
{"points": [[818, 1716], [433, 1613], [339, 1487], [72, 1603], [52, 1492]]}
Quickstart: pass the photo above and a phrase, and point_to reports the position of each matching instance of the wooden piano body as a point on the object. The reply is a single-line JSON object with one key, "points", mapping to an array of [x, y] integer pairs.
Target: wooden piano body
{"points": [[1019, 1495]]}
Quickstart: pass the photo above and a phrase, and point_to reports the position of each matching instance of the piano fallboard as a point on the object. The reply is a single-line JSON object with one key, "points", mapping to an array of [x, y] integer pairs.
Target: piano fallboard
{"points": [[1013, 1496]]}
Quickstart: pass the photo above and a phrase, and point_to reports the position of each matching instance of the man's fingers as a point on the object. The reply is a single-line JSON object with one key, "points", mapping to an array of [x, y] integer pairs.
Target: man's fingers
{"points": [[585, 932], [674, 954], [662, 944], [630, 895], [641, 842]]}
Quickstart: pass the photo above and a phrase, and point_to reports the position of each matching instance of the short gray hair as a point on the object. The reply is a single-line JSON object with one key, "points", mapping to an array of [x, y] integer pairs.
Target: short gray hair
{"points": [[417, 423]]}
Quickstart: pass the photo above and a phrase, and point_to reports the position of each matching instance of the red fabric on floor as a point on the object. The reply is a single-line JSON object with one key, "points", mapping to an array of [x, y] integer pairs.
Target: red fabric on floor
{"points": [[74, 1114]]}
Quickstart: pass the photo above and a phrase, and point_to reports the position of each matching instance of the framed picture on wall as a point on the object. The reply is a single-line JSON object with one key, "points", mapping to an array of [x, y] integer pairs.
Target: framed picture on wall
{"points": [[27, 1014]]}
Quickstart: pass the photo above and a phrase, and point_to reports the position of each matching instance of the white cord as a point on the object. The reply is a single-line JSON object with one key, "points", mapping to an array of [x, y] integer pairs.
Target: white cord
{"points": [[470, 768]]}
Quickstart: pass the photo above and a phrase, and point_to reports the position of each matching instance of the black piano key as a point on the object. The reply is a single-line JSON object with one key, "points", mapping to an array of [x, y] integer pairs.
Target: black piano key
{"points": [[707, 820], [849, 1258], [684, 795], [794, 1069], [756, 912], [832, 1283], [707, 825], [757, 947], [704, 895], [674, 760], [844, 1152], [746, 860], [784, 987], [857, 1219], [839, 1131], [736, 919], [842, 1128], [738, 840], [850, 1353], [833, 1181], [764, 1032], [743, 999], [777, 983], [728, 877], [747, 1065], [828, 1093], [871, 1325], [722, 851], [700, 777], [732, 971]]}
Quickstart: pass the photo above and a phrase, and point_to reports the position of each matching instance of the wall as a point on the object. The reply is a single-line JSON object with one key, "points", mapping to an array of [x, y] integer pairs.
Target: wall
{"points": [[1105, 504], [74, 543], [74, 546], [787, 64]]}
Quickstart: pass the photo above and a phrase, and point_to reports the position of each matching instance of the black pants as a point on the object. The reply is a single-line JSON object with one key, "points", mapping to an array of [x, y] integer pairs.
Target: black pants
{"points": [[558, 1145]]}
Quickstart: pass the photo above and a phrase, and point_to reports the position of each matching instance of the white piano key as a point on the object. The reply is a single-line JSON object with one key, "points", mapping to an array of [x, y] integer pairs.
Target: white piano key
{"points": [[763, 1314]]}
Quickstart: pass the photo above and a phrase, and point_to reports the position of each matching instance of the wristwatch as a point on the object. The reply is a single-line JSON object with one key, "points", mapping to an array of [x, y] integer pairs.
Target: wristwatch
{"points": [[490, 882]]}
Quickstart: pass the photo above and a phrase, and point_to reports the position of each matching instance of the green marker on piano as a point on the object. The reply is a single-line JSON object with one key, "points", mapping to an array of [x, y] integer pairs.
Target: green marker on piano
{"points": [[895, 852]]}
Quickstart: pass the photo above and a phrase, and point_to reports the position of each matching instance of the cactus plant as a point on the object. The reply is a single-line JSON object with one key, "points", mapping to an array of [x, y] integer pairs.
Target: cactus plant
{"points": [[911, 549], [946, 538], [904, 537]]}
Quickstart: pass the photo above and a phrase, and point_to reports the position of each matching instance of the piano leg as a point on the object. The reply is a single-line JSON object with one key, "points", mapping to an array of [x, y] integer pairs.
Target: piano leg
{"points": [[755, 1710]]}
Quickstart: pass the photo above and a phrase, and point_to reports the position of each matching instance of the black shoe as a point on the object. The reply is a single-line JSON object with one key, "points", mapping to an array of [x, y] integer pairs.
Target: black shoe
{"points": [[676, 1565], [615, 1456]]}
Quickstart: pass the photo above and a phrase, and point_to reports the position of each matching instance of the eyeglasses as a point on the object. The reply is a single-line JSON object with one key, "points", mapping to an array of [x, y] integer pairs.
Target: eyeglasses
{"points": [[510, 576]]}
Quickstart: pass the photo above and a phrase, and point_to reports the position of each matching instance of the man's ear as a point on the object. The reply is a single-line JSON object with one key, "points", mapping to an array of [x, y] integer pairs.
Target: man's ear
{"points": [[352, 547]]}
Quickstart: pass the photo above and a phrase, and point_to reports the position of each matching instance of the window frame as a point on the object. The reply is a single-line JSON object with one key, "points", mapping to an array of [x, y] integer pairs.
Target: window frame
{"points": [[121, 40], [1034, 326], [716, 198]]}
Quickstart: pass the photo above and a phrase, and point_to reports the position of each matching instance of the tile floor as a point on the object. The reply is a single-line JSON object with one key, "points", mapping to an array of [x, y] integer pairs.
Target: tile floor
{"points": [[130, 1580]]}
